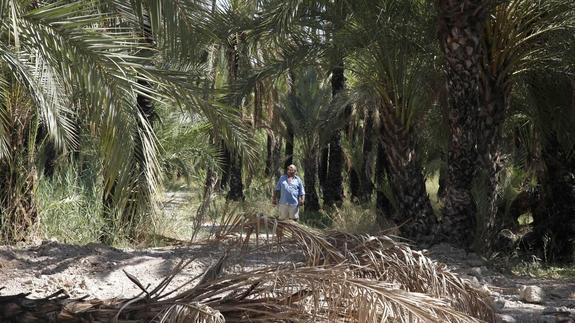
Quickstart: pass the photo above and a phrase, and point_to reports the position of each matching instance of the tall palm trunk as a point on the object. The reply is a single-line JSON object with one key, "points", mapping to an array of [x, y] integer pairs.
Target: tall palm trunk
{"points": [[289, 148], [310, 181], [491, 116], [383, 205], [323, 161], [365, 169], [354, 184], [460, 29], [333, 188], [270, 144], [414, 215], [236, 191], [360, 184]]}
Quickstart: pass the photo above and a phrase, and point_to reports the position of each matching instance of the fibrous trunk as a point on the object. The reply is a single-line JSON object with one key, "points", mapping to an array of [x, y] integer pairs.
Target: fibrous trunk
{"points": [[310, 180], [461, 24], [333, 188], [383, 205], [414, 214], [491, 117]]}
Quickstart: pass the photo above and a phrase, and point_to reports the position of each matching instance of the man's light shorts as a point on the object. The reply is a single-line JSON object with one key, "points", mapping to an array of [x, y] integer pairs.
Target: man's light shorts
{"points": [[288, 212]]}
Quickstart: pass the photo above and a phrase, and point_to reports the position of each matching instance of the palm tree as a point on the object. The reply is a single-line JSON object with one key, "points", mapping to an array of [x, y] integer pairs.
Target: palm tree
{"points": [[545, 114], [520, 36], [460, 30], [65, 68], [388, 68], [308, 114], [73, 61], [313, 26]]}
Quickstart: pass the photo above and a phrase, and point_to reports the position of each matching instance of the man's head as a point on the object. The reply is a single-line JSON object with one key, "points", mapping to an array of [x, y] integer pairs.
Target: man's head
{"points": [[291, 170]]}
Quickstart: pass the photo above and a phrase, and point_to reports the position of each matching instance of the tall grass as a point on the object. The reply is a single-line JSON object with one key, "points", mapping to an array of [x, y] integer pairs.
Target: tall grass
{"points": [[69, 210]]}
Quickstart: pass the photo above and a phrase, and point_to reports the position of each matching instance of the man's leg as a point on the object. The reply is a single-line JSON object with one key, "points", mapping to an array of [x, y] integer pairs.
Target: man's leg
{"points": [[284, 214], [284, 211], [294, 212]]}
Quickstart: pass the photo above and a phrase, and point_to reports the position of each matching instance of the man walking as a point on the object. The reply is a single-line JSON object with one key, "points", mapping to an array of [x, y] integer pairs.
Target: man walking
{"points": [[291, 194]]}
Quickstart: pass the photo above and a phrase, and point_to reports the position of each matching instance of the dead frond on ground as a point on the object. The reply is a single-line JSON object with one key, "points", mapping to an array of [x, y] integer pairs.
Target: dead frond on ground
{"points": [[346, 278], [383, 259], [280, 294]]}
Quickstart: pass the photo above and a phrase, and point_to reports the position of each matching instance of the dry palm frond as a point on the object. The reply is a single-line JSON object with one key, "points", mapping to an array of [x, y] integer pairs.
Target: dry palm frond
{"points": [[191, 313], [316, 293], [383, 259], [273, 294], [312, 242]]}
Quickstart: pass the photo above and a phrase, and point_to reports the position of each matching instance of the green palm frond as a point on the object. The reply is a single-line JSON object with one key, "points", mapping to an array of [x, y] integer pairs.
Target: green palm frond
{"points": [[393, 62], [4, 118], [43, 85], [522, 35], [310, 112], [73, 55], [186, 147]]}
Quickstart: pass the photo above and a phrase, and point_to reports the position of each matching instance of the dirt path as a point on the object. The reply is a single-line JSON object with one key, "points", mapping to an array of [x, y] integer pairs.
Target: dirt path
{"points": [[97, 270], [558, 296]]}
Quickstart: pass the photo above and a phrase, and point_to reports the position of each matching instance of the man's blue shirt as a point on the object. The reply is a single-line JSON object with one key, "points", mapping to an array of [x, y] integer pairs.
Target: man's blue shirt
{"points": [[290, 191]]}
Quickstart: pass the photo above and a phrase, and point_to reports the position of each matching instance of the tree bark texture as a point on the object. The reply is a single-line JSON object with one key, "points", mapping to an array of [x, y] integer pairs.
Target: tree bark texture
{"points": [[209, 187], [365, 169], [415, 214], [310, 182], [495, 90], [322, 167], [18, 173], [460, 29], [289, 148], [236, 192], [384, 207], [333, 188], [270, 144]]}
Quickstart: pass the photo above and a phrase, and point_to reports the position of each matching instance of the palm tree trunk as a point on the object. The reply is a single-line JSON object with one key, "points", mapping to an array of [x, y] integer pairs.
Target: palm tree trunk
{"points": [[383, 206], [415, 215], [495, 91], [209, 187], [236, 191], [333, 188], [322, 168], [18, 173], [354, 185], [460, 32], [270, 144], [310, 179], [365, 170], [289, 148]]}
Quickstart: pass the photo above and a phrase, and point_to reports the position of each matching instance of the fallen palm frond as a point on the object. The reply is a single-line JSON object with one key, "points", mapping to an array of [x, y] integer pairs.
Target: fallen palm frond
{"points": [[312, 242], [382, 259], [273, 294]]}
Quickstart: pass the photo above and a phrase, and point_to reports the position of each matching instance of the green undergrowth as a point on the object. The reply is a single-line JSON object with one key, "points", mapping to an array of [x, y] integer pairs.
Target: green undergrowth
{"points": [[538, 270]]}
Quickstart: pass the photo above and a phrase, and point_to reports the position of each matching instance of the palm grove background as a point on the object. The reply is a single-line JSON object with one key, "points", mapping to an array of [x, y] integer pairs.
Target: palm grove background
{"points": [[448, 120]]}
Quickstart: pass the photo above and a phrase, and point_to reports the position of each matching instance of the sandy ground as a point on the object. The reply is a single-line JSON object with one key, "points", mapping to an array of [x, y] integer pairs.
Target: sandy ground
{"points": [[98, 271]]}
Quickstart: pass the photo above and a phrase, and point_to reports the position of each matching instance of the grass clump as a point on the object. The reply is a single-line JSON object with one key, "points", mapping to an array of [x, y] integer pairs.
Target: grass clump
{"points": [[69, 211]]}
